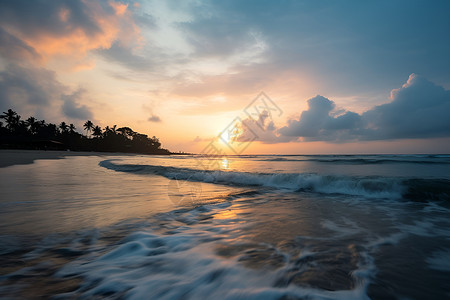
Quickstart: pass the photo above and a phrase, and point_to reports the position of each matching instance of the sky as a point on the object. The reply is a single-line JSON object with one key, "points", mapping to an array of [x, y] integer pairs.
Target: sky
{"points": [[244, 77]]}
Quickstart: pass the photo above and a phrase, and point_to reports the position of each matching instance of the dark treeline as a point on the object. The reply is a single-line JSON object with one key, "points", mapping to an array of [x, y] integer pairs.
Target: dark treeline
{"points": [[31, 133]]}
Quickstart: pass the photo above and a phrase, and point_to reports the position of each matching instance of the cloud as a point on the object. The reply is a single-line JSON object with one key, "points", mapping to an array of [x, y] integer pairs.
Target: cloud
{"points": [[312, 120], [328, 43], [125, 55], [15, 49], [155, 119], [74, 110], [419, 109], [187, 39], [263, 129], [63, 28], [213, 35], [37, 92], [31, 87], [320, 123]]}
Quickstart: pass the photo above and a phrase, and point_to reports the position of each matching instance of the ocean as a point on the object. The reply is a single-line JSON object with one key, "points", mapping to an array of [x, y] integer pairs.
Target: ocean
{"points": [[234, 227]]}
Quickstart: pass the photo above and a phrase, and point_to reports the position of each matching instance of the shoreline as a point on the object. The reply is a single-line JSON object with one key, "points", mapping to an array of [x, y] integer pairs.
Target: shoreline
{"points": [[24, 157]]}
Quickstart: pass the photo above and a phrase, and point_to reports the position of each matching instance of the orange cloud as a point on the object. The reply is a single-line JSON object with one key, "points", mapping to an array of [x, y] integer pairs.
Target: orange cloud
{"points": [[74, 36], [120, 8]]}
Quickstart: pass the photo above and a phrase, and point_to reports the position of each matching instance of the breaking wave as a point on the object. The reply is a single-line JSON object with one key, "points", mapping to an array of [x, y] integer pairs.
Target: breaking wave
{"points": [[368, 187]]}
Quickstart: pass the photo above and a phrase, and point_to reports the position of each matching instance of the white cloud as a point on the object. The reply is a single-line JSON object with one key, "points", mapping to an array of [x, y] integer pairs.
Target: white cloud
{"points": [[419, 109]]}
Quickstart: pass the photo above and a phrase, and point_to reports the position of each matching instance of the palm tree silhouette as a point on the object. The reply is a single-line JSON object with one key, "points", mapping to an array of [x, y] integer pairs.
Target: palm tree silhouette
{"points": [[72, 128], [88, 126], [63, 126], [97, 131], [12, 119], [107, 131], [31, 120], [33, 125], [127, 132], [34, 133]]}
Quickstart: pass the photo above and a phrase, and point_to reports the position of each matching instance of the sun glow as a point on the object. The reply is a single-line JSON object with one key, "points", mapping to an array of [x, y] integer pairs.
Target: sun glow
{"points": [[225, 137]]}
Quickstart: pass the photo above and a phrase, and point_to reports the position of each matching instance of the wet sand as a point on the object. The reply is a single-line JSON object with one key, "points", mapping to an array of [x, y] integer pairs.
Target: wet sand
{"points": [[23, 157]]}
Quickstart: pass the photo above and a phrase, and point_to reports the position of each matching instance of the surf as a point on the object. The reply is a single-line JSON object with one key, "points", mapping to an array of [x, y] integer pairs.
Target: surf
{"points": [[367, 186]]}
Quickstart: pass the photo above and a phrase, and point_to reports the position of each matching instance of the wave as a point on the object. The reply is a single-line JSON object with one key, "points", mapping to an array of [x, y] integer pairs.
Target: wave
{"points": [[441, 159], [361, 161], [368, 187]]}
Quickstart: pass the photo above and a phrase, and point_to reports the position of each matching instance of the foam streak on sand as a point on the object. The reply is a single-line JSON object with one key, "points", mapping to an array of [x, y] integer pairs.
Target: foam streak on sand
{"points": [[184, 264]]}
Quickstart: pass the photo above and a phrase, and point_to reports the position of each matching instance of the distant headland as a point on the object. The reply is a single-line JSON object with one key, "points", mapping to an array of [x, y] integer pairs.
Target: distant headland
{"points": [[34, 134]]}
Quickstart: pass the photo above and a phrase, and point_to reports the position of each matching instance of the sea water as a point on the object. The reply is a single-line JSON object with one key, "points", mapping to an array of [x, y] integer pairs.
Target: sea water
{"points": [[236, 227]]}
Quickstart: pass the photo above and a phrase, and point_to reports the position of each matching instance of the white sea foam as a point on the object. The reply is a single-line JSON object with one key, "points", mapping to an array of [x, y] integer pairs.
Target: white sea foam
{"points": [[347, 228], [146, 265], [420, 228], [392, 239], [184, 263]]}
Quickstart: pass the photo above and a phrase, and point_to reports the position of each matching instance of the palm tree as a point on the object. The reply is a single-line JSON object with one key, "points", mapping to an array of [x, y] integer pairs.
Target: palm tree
{"points": [[88, 126], [12, 119], [127, 132], [97, 131], [155, 142], [32, 124], [107, 131], [63, 126], [51, 130], [72, 128], [30, 121]]}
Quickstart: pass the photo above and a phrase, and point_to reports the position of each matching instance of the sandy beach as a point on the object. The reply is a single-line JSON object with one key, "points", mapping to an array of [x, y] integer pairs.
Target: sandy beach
{"points": [[23, 157]]}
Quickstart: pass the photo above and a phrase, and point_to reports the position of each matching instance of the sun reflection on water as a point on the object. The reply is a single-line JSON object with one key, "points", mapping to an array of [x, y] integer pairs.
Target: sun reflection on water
{"points": [[226, 215], [225, 164]]}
